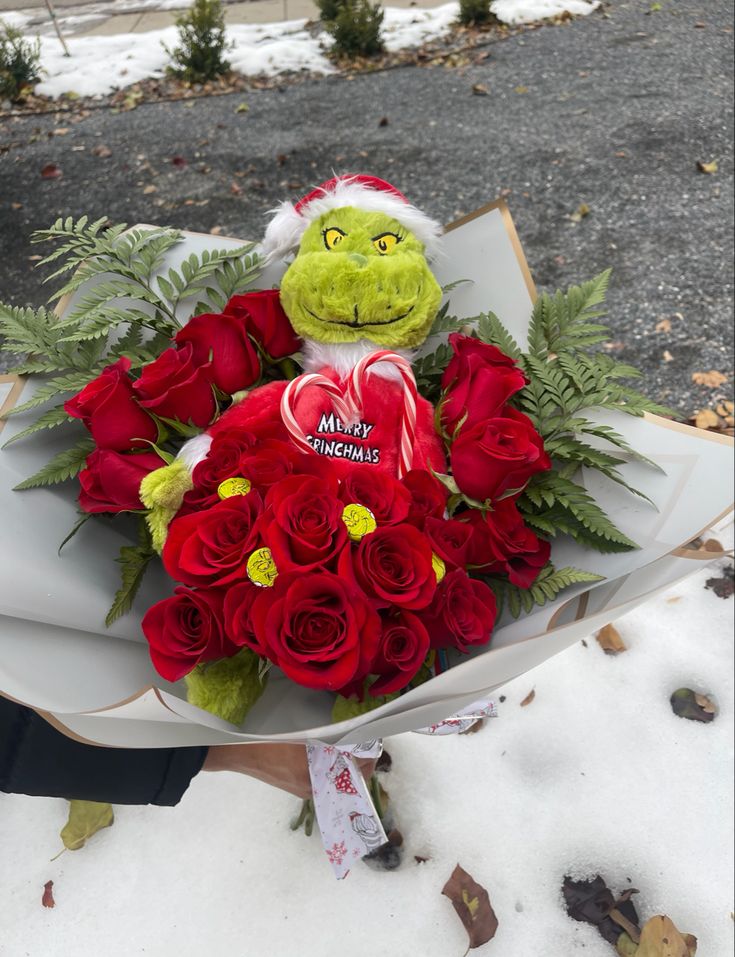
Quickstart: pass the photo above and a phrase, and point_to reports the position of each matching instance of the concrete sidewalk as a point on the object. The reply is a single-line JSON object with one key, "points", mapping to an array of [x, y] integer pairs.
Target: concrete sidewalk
{"points": [[100, 18]]}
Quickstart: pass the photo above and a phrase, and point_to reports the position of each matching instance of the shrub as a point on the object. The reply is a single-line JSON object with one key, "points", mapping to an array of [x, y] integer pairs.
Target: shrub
{"points": [[202, 43], [475, 12], [329, 9], [356, 29], [19, 62]]}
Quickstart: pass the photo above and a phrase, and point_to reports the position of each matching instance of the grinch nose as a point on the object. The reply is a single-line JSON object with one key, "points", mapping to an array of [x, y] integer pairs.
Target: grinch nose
{"points": [[358, 259]]}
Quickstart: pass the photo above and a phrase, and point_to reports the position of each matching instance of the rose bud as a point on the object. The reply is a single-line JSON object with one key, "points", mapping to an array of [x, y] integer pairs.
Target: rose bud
{"points": [[428, 496], [186, 629], [498, 455], [111, 481], [266, 321], [175, 386], [235, 363], [387, 498], [478, 381], [318, 628], [303, 525], [503, 543], [404, 644], [108, 408], [462, 612], [393, 566], [212, 547]]}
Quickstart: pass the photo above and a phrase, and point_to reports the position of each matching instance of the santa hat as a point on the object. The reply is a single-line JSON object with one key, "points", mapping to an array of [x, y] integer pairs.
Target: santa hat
{"points": [[369, 193]]}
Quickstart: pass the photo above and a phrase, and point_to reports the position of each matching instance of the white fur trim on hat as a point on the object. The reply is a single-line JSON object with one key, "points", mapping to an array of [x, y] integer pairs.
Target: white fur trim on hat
{"points": [[284, 232]]}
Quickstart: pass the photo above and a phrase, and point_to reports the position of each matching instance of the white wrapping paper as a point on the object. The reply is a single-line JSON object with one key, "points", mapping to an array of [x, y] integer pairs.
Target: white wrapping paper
{"points": [[98, 685]]}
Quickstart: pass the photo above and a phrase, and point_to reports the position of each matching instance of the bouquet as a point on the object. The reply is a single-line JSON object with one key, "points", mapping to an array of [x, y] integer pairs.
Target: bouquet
{"points": [[326, 501]]}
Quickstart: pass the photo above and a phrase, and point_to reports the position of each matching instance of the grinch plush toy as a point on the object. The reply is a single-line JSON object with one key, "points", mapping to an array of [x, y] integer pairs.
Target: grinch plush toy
{"points": [[361, 295]]}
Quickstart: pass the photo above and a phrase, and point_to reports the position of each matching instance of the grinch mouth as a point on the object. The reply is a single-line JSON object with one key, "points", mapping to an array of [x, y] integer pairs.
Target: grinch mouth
{"points": [[356, 324]]}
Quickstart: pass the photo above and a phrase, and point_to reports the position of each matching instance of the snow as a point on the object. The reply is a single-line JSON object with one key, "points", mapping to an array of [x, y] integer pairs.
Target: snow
{"points": [[596, 775], [101, 64]]}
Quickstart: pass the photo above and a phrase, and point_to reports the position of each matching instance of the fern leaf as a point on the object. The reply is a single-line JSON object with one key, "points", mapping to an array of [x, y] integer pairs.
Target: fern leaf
{"points": [[63, 466], [134, 560], [49, 420]]}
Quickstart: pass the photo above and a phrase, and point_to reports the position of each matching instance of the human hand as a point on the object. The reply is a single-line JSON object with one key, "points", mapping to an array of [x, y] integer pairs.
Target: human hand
{"points": [[281, 765]]}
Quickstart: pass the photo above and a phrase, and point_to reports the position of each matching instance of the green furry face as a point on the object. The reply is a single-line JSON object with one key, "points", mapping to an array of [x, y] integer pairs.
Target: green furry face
{"points": [[360, 275]]}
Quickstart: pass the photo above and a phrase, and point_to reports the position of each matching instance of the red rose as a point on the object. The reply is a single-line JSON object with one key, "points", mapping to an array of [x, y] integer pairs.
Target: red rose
{"points": [[239, 599], [319, 629], [269, 462], [450, 539], [428, 496], [393, 566], [404, 644], [111, 481], [303, 524], [184, 630], [462, 613], [212, 547], [478, 381], [108, 409], [266, 321], [502, 542], [498, 455], [222, 462], [177, 387], [224, 338], [387, 498]]}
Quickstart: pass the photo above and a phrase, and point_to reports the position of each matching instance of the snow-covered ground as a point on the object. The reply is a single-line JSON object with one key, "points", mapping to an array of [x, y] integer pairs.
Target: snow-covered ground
{"points": [[596, 775], [100, 64]]}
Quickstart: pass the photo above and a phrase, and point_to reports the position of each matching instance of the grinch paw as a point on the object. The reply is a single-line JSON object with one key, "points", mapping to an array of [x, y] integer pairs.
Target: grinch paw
{"points": [[162, 493]]}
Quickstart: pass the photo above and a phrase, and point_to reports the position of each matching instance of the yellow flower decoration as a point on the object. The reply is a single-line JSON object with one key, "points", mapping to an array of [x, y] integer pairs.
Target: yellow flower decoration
{"points": [[261, 568], [359, 520], [440, 569], [237, 485]]}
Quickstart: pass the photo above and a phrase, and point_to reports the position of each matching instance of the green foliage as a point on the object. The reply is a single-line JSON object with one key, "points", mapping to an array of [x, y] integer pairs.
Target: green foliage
{"points": [[227, 688], [473, 13], [123, 306], [133, 560], [20, 61], [329, 9], [200, 54], [344, 709], [64, 465], [356, 29], [547, 586], [565, 385]]}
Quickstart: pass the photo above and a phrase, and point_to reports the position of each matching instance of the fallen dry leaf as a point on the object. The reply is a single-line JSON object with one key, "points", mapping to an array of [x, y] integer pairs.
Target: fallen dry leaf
{"points": [[711, 379], [479, 89], [216, 230], [725, 409], [610, 641], [529, 698], [48, 895], [235, 188], [706, 419], [663, 325], [242, 108], [724, 586], [16, 205], [85, 819], [102, 151], [472, 904], [710, 167], [660, 938], [580, 212], [685, 704], [51, 171], [150, 188], [592, 902], [667, 356]]}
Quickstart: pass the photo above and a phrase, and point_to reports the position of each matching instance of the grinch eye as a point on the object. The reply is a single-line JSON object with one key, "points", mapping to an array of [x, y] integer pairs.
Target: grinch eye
{"points": [[333, 237], [386, 242]]}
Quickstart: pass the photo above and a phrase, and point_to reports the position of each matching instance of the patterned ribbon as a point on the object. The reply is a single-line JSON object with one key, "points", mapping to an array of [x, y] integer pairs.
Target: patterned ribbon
{"points": [[349, 404], [349, 824]]}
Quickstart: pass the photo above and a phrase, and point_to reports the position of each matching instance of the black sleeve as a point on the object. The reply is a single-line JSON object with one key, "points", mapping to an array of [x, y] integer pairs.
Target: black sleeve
{"points": [[37, 759]]}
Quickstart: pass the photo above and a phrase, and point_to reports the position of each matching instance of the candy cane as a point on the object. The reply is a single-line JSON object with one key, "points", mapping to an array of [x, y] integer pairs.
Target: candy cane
{"points": [[410, 393], [293, 390]]}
